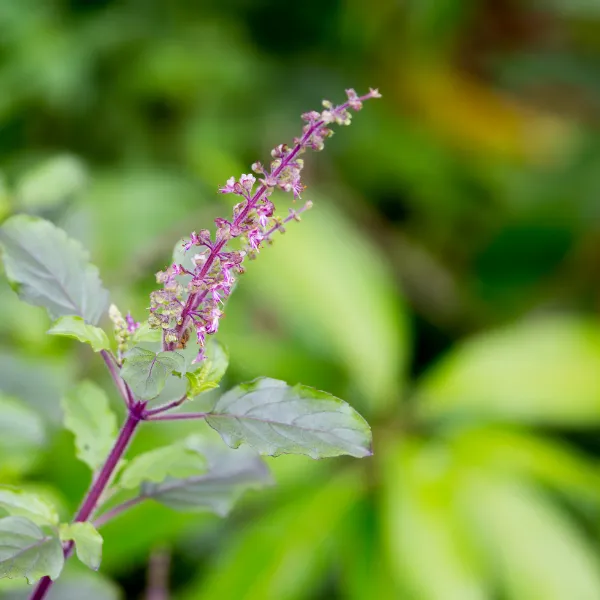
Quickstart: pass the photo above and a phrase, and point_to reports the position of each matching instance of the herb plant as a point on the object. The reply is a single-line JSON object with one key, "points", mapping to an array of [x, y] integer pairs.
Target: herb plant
{"points": [[173, 348]]}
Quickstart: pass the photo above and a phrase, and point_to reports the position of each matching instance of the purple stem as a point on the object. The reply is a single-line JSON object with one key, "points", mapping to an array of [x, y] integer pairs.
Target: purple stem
{"points": [[158, 576], [117, 510], [177, 417], [114, 373], [165, 407], [97, 488]]}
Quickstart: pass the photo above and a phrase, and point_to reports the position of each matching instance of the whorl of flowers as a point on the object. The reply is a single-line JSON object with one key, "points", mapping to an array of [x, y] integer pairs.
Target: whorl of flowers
{"points": [[191, 299]]}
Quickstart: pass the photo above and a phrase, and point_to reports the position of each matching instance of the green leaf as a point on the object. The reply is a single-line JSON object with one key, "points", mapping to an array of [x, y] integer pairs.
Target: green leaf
{"points": [[76, 327], [544, 371], [74, 583], [21, 435], [144, 333], [88, 542], [88, 416], [230, 473], [427, 545], [146, 371], [539, 551], [211, 371], [275, 418], [156, 465], [55, 181], [26, 551], [49, 269], [550, 461], [286, 553], [19, 503]]}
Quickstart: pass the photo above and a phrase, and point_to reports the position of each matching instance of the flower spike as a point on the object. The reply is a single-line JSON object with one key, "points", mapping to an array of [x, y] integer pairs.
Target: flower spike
{"points": [[179, 308]]}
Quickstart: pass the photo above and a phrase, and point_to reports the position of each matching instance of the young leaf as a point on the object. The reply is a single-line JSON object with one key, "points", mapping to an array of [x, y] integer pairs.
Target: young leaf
{"points": [[230, 474], [146, 371], [157, 465], [211, 371], [76, 327], [19, 503], [275, 418], [88, 542], [144, 333], [88, 416], [26, 551], [49, 269]]}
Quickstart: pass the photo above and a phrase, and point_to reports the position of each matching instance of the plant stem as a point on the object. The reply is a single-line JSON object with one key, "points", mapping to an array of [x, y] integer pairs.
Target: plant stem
{"points": [[97, 488], [114, 373], [177, 417], [117, 510], [165, 407]]}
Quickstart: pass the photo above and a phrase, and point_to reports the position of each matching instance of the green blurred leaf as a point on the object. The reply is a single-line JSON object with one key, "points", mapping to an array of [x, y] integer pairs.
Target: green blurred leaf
{"points": [[211, 370], [88, 542], [87, 414], [147, 372], [57, 180], [367, 573], [73, 584], [537, 549], [22, 435], [284, 554], [53, 376], [19, 503], [230, 473], [427, 547], [544, 370], [49, 269], [335, 290], [275, 418], [157, 465], [76, 327], [551, 462], [26, 551]]}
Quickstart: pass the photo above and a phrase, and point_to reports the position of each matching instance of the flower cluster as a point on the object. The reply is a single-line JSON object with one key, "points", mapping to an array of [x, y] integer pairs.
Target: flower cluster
{"points": [[192, 297], [124, 327]]}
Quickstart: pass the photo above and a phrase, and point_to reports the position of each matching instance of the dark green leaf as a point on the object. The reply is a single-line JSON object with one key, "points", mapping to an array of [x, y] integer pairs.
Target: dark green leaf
{"points": [[49, 269], [275, 418], [26, 551], [146, 371], [76, 327], [230, 474]]}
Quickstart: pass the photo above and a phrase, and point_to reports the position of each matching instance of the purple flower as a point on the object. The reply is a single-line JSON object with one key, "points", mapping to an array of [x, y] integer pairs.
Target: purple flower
{"points": [[254, 238], [216, 267], [132, 325], [229, 187], [247, 182]]}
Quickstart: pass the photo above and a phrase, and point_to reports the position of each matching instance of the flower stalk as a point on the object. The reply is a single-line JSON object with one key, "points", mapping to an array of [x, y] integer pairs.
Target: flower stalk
{"points": [[215, 267]]}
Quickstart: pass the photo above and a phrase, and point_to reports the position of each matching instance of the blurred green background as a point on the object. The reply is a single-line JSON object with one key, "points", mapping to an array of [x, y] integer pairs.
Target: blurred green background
{"points": [[446, 283]]}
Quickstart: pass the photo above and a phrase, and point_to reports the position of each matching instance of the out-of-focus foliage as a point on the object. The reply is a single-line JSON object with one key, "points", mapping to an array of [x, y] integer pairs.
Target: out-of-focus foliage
{"points": [[446, 282]]}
